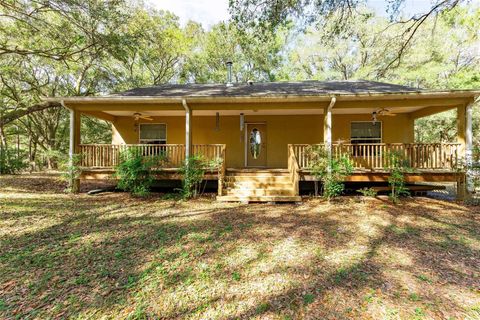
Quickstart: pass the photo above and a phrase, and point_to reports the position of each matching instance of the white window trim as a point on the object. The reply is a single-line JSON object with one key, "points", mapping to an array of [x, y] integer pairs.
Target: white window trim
{"points": [[140, 129], [381, 131]]}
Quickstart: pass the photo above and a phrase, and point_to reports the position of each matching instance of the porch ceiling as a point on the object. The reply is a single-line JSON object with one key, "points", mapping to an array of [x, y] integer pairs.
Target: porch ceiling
{"points": [[160, 113]]}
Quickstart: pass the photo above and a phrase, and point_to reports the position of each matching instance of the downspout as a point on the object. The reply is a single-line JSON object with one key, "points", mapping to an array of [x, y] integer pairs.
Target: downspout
{"points": [[188, 129]]}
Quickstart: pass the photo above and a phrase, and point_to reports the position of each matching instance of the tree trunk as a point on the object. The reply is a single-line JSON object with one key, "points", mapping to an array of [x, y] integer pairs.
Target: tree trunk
{"points": [[3, 138]]}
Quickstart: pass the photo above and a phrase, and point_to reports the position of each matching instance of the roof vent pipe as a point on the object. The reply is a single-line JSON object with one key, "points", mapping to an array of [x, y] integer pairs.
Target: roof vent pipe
{"points": [[229, 74]]}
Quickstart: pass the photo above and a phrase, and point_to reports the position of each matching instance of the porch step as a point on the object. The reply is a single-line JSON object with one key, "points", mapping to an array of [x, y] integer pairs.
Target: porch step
{"points": [[258, 174], [249, 184], [258, 185], [259, 178], [259, 198], [256, 170], [260, 192]]}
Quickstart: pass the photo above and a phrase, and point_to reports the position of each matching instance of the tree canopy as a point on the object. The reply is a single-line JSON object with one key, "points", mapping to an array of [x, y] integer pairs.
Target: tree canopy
{"points": [[54, 48]]}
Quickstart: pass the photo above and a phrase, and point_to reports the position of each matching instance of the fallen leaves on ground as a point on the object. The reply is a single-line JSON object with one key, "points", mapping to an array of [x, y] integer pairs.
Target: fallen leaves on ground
{"points": [[114, 256]]}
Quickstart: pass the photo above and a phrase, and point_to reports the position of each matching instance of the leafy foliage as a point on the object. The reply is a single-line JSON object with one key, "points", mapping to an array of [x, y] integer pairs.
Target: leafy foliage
{"points": [[193, 171], [12, 160], [475, 169], [368, 192], [82, 48], [71, 171], [398, 166], [330, 171], [135, 172]]}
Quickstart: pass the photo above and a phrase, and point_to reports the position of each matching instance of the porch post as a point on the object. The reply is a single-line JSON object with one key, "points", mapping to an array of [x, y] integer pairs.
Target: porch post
{"points": [[327, 126], [188, 129], [75, 122], [469, 147], [465, 138]]}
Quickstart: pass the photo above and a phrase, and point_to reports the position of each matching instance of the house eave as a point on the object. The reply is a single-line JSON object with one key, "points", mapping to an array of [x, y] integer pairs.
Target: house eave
{"points": [[465, 94]]}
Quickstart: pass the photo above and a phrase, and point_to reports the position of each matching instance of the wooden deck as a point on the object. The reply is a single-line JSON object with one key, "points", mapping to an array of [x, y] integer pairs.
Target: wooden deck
{"points": [[429, 162]]}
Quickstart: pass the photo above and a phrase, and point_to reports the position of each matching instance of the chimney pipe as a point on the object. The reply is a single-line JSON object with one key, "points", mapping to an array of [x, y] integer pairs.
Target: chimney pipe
{"points": [[229, 74]]}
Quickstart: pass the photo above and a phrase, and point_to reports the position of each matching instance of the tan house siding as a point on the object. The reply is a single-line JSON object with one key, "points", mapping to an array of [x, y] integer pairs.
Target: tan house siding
{"points": [[281, 131]]}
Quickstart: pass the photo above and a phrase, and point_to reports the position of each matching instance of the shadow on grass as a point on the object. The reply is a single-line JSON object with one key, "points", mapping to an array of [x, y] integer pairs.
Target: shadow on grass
{"points": [[116, 256]]}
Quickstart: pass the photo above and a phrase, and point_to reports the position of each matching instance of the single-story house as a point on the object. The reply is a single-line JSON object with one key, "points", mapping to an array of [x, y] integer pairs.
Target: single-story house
{"points": [[260, 131]]}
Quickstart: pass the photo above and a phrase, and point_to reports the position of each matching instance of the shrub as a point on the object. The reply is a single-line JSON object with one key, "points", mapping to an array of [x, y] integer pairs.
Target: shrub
{"points": [[475, 169], [331, 172], [193, 171], [368, 192], [398, 166], [134, 173], [71, 171], [12, 161]]}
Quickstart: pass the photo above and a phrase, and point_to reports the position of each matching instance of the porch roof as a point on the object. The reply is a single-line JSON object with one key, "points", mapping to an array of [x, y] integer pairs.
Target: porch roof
{"points": [[304, 90]]}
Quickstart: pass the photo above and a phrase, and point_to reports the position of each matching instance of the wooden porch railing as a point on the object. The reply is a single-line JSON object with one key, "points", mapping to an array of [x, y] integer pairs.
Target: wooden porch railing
{"points": [[108, 155], [375, 156]]}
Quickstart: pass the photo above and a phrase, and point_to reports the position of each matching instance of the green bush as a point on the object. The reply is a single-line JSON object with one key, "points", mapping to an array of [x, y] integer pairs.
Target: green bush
{"points": [[368, 192], [475, 170], [71, 171], [135, 172], [331, 172], [398, 166], [12, 161], [193, 171]]}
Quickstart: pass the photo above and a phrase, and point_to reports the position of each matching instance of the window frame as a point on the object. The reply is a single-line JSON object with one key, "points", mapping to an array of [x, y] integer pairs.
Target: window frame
{"points": [[353, 139], [149, 140]]}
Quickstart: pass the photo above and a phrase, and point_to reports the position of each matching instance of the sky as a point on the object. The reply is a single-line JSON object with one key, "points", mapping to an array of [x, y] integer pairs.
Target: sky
{"points": [[209, 12]]}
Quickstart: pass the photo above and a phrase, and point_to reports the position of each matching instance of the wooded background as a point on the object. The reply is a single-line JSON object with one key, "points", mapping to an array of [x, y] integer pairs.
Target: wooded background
{"points": [[92, 47]]}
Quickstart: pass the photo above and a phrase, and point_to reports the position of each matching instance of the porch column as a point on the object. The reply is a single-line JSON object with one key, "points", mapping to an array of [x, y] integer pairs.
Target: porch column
{"points": [[327, 126], [188, 129], [75, 122], [465, 138]]}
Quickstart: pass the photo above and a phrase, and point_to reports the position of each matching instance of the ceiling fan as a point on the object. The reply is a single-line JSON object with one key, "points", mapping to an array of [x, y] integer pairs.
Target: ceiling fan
{"points": [[137, 116], [382, 112], [385, 112]]}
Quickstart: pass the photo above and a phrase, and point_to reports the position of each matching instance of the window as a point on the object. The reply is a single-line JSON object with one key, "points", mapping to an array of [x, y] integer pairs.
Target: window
{"points": [[366, 132], [362, 133], [153, 133], [255, 143]]}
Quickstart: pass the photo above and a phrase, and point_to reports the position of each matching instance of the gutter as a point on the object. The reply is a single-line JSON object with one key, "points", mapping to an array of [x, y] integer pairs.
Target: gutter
{"points": [[292, 97]]}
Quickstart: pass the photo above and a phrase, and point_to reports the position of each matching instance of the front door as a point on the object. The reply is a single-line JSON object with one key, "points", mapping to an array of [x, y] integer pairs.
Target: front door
{"points": [[256, 145]]}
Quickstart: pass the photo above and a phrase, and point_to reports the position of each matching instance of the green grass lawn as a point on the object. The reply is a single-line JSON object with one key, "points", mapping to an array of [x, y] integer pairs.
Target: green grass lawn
{"points": [[113, 256]]}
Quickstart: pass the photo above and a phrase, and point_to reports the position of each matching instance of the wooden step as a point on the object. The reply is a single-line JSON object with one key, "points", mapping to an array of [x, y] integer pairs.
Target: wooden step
{"points": [[257, 174], [260, 179], [248, 184], [256, 170], [260, 192], [259, 198]]}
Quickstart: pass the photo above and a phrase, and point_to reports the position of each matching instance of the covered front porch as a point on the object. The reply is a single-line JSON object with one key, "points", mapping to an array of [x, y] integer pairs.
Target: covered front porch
{"points": [[438, 162], [261, 141]]}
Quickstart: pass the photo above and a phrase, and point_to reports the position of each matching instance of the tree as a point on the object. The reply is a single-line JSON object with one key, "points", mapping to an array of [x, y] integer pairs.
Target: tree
{"points": [[270, 15], [154, 49], [254, 59], [52, 48]]}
